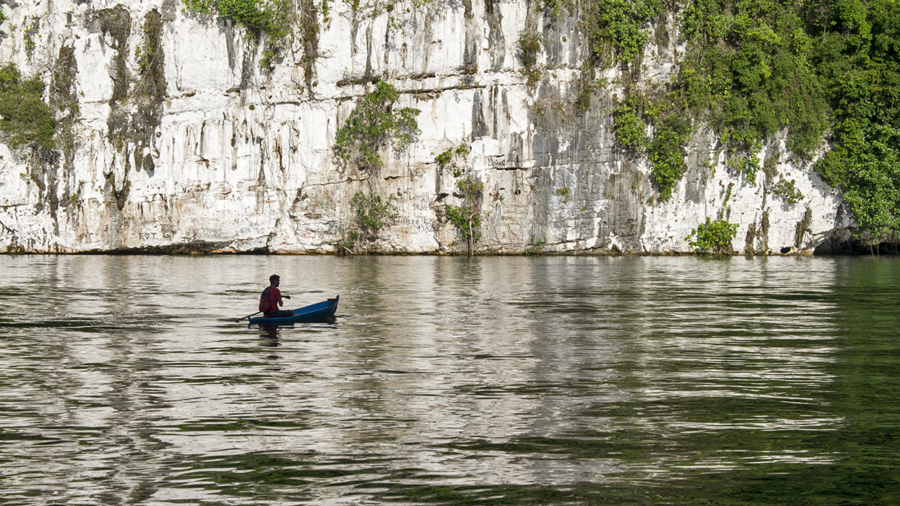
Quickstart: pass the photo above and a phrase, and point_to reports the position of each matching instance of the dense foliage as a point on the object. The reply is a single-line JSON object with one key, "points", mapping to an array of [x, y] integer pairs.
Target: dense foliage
{"points": [[631, 130], [750, 72], [859, 60], [23, 114], [819, 69], [269, 16], [615, 27], [371, 124], [666, 153], [713, 237], [665, 148]]}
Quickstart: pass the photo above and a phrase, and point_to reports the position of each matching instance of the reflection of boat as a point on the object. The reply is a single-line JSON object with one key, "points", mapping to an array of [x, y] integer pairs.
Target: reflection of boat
{"points": [[322, 312]]}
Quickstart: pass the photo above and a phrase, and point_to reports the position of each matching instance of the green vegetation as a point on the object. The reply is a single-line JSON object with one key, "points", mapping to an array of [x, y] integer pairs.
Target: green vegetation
{"points": [[149, 56], [750, 71], [665, 148], [371, 214], [23, 114], [144, 54], [535, 247], [756, 67], [266, 61], [630, 128], [309, 35], [449, 159], [748, 163], [467, 217], [444, 158], [713, 237], [63, 101], [666, 153], [859, 59], [29, 32], [613, 28], [822, 65], [787, 191], [564, 192], [272, 17], [529, 46], [371, 124], [583, 100]]}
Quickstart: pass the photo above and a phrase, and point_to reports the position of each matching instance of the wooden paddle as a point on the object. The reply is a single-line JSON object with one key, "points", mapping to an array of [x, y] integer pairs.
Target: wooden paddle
{"points": [[248, 316], [256, 313]]}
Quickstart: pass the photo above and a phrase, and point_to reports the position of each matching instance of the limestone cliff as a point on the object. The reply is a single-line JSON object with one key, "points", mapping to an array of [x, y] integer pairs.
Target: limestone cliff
{"points": [[171, 135]]}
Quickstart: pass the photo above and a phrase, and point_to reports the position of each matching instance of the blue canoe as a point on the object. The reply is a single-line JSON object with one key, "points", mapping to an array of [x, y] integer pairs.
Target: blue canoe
{"points": [[322, 312]]}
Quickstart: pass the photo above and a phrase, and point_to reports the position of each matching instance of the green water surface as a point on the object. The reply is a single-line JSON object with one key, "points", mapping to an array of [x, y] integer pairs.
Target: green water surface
{"points": [[557, 380]]}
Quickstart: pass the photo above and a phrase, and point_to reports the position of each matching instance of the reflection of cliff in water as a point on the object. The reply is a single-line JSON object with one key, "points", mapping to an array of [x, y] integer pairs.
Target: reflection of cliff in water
{"points": [[544, 380]]}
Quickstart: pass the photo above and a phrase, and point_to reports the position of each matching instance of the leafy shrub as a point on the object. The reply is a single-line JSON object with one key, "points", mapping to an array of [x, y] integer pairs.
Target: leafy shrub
{"points": [[749, 69], [713, 237], [630, 129], [858, 60], [787, 191], [665, 147], [444, 158], [449, 159], [460, 216], [614, 28], [666, 153], [754, 67], [258, 16], [747, 163], [23, 114]]}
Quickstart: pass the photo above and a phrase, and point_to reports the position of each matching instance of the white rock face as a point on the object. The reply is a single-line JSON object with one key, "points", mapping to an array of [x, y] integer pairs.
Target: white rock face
{"points": [[228, 157]]}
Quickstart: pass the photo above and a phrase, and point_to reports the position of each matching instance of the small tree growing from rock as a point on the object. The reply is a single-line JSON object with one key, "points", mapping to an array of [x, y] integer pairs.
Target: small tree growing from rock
{"points": [[467, 217], [372, 124], [371, 214]]}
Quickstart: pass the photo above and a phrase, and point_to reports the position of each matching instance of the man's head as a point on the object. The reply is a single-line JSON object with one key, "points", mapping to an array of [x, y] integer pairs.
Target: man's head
{"points": [[274, 280]]}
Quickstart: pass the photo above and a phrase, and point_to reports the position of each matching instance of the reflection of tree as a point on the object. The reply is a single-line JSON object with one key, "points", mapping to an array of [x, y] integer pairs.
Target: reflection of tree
{"points": [[863, 446], [868, 382]]}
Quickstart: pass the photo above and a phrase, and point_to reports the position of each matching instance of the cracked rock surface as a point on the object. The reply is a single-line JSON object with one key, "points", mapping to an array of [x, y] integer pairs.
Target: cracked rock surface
{"points": [[197, 147]]}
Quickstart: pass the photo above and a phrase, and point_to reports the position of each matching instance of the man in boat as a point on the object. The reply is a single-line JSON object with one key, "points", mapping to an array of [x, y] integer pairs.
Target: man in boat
{"points": [[271, 299]]}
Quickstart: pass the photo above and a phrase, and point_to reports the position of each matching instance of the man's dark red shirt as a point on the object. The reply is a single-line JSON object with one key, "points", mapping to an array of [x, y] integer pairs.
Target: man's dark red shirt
{"points": [[268, 303]]}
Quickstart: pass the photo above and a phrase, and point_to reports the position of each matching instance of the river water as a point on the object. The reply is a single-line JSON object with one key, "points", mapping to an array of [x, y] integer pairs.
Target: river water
{"points": [[498, 380]]}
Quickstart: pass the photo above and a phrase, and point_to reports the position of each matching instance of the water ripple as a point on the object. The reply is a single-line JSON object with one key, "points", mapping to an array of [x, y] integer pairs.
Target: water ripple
{"points": [[570, 380]]}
